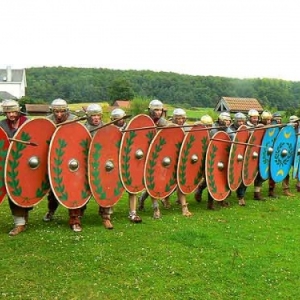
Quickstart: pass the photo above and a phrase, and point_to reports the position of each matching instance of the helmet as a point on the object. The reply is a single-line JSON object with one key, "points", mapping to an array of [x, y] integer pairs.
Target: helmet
{"points": [[59, 104], [155, 104], [239, 116], [10, 106], [293, 119], [277, 115], [179, 112], [93, 109], [266, 115], [224, 116], [117, 113], [253, 113], [206, 120]]}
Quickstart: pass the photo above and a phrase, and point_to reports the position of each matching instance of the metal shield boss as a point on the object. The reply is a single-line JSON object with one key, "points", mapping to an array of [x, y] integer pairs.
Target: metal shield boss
{"points": [[161, 162], [67, 165], [191, 159], [4, 144], [216, 165], [283, 154], [26, 174], [251, 157], [103, 166], [296, 166], [236, 158], [267, 148], [133, 152]]}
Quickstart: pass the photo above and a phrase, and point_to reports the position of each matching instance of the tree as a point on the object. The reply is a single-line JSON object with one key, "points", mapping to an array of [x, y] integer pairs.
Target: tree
{"points": [[120, 89]]}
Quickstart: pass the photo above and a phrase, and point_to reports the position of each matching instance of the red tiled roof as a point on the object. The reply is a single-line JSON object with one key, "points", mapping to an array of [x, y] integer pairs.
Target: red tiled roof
{"points": [[122, 103], [242, 104]]}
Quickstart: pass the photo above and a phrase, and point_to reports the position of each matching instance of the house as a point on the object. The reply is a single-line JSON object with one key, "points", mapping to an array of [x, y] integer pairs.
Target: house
{"points": [[124, 104], [13, 82], [234, 105]]}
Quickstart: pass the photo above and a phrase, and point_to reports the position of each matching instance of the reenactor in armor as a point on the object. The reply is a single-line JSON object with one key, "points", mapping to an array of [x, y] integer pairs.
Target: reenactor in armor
{"points": [[156, 111], [276, 118], [253, 118], [59, 114], [119, 113], [14, 119], [222, 124]]}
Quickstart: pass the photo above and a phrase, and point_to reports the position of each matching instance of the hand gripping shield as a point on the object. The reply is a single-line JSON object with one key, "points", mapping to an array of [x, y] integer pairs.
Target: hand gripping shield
{"points": [[67, 165], [133, 152], [191, 160], [103, 166], [161, 162], [26, 174]]}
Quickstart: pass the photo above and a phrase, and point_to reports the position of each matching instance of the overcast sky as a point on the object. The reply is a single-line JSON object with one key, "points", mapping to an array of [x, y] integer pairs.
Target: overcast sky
{"points": [[230, 38]]}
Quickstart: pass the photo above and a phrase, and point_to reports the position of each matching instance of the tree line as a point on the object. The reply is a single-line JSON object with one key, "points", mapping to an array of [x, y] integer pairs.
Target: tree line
{"points": [[78, 85]]}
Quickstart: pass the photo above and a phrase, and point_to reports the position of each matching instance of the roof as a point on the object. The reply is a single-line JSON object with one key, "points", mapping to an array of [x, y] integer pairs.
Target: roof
{"points": [[16, 75], [233, 105], [122, 103], [6, 95]]}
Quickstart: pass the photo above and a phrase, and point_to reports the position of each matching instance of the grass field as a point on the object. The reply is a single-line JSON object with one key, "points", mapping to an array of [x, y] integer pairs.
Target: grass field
{"points": [[238, 252]]}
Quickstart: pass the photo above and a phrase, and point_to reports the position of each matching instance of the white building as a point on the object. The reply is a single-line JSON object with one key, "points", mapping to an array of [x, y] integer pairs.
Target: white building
{"points": [[12, 82]]}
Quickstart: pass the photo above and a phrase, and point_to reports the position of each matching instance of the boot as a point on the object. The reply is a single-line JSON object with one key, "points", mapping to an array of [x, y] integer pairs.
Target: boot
{"points": [[258, 196], [298, 189], [106, 222], [286, 192], [198, 195], [242, 201], [272, 194], [185, 211], [210, 205], [17, 229], [156, 213]]}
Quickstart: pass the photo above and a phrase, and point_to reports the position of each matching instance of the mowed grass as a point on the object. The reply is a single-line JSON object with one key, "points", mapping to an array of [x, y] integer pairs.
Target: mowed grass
{"points": [[238, 252]]}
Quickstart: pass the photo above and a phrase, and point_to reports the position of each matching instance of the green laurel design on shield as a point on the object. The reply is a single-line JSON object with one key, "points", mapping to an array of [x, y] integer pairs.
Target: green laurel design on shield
{"points": [[95, 174], [118, 189], [172, 180], [150, 135], [126, 158], [204, 142], [210, 169], [14, 163], [3, 153], [152, 162], [85, 193], [247, 158], [45, 185], [232, 157], [186, 152], [57, 169]]}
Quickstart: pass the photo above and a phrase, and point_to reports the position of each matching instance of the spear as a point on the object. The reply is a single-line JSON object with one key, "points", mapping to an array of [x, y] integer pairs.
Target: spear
{"points": [[71, 121], [239, 143], [110, 123], [23, 142]]}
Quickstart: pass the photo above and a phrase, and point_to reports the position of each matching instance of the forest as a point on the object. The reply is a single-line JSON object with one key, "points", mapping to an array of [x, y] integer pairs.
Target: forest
{"points": [[78, 85]]}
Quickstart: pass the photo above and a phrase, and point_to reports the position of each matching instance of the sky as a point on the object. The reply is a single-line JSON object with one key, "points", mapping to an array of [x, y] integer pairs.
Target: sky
{"points": [[229, 38]]}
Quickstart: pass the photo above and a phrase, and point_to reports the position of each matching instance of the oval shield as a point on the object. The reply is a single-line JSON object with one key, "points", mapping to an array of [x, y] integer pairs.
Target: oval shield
{"points": [[236, 158], [216, 165], [296, 158], [26, 175], [283, 154], [4, 144], [191, 159], [133, 152], [67, 165], [267, 147], [103, 166], [250, 164], [161, 162]]}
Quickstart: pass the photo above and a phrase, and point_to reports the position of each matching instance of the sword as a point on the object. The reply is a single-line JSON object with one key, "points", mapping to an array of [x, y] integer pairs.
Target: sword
{"points": [[23, 142]]}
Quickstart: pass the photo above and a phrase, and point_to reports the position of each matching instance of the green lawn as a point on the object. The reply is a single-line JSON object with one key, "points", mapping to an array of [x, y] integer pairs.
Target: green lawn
{"points": [[238, 252]]}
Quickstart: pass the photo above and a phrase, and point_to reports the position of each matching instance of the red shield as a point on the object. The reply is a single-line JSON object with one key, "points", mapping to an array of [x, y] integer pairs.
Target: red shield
{"points": [[161, 162], [26, 175], [103, 166], [4, 144], [236, 158], [216, 165], [191, 159], [133, 151], [67, 165], [250, 164]]}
